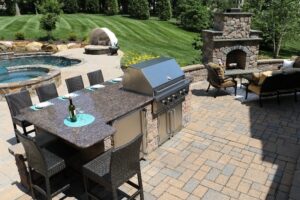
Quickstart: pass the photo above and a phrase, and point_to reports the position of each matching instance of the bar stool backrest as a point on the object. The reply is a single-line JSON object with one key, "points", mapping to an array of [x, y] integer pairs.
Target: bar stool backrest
{"points": [[74, 84], [46, 92], [34, 155], [95, 77], [125, 161], [17, 101]]}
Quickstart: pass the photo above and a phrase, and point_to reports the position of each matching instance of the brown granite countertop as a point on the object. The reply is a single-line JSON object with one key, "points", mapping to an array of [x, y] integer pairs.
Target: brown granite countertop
{"points": [[105, 104]]}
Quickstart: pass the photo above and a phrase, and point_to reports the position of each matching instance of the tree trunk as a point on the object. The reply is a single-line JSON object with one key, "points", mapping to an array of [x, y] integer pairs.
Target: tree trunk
{"points": [[277, 47], [18, 13]]}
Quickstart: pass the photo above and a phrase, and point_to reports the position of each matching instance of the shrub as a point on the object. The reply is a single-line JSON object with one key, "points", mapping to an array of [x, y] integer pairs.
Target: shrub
{"points": [[131, 58], [50, 6], [19, 36], [92, 6], [112, 7], [51, 10], [195, 19], [139, 9], [164, 9], [72, 37], [70, 6]]}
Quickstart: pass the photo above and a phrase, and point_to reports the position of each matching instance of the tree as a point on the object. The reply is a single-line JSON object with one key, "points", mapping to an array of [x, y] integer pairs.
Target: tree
{"points": [[10, 7], [164, 9], [139, 9], [70, 6], [196, 19], [124, 6], [279, 20], [112, 7], [51, 9], [185, 5], [92, 6]]}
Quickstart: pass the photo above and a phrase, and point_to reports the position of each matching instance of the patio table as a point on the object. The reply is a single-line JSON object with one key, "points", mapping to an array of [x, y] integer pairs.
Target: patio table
{"points": [[105, 104], [239, 72]]}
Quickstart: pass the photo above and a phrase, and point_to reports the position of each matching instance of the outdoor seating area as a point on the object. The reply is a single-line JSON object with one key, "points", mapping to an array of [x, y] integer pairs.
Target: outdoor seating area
{"points": [[149, 100]]}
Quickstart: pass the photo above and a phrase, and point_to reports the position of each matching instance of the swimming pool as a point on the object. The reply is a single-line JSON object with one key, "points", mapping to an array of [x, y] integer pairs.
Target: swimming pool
{"points": [[56, 61]]}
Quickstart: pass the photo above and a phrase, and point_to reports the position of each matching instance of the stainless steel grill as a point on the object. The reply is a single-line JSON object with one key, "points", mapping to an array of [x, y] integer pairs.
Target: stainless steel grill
{"points": [[162, 79]]}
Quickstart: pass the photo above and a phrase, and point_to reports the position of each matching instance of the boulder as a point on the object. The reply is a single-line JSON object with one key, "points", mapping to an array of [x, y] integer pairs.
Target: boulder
{"points": [[49, 48], [34, 46], [19, 46], [3, 48], [8, 44], [62, 47], [73, 45]]}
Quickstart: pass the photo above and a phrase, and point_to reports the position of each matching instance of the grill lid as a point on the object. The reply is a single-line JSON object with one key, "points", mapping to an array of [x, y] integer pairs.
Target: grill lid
{"points": [[150, 75]]}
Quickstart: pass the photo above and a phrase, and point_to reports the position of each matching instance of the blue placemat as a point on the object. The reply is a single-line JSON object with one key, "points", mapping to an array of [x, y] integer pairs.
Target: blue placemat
{"points": [[89, 88], [82, 120], [35, 108]]}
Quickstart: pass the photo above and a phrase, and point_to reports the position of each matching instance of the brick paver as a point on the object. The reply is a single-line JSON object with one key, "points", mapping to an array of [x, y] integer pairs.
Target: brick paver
{"points": [[230, 150]]}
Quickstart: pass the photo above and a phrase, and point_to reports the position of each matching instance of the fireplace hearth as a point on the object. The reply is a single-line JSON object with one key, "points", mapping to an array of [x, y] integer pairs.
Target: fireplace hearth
{"points": [[232, 41]]}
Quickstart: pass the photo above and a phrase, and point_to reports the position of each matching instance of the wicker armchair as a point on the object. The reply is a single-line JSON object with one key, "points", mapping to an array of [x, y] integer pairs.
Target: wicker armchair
{"points": [[43, 162], [46, 92], [16, 102], [217, 79], [95, 77], [74, 84], [114, 168]]}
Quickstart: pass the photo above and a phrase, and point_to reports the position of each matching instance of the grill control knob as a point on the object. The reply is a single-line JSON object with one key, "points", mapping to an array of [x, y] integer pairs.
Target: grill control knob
{"points": [[181, 92], [185, 91], [170, 99], [164, 102], [174, 96]]}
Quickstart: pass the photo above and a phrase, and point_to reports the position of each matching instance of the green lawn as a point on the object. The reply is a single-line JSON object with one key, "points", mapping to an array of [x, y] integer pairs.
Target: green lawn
{"points": [[149, 36]]}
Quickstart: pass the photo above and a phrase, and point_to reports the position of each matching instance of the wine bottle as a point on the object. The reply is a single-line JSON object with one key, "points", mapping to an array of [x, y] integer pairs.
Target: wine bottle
{"points": [[72, 111]]}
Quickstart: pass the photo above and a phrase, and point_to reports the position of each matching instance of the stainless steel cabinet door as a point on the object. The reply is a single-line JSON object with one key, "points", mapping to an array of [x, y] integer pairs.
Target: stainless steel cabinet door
{"points": [[176, 119]]}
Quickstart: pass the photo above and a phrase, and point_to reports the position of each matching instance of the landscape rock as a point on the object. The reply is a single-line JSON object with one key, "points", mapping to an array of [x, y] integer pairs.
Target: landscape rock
{"points": [[3, 48], [8, 44], [62, 47], [49, 48], [73, 45], [34, 46]]}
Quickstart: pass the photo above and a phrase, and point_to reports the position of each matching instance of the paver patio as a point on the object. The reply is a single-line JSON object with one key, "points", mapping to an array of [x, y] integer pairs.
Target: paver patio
{"points": [[230, 150]]}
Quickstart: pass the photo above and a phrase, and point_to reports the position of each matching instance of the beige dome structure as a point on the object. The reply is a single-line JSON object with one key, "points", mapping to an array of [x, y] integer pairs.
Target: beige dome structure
{"points": [[103, 36], [102, 41]]}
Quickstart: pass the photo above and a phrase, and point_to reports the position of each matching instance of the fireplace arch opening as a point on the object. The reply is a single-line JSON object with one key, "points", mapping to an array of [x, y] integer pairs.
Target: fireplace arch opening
{"points": [[236, 59]]}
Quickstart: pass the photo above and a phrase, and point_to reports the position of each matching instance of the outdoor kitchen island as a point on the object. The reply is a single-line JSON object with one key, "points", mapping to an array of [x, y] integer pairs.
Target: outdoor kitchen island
{"points": [[119, 113]]}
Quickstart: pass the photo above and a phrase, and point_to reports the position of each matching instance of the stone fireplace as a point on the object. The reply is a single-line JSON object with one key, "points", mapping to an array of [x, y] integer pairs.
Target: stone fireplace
{"points": [[232, 41]]}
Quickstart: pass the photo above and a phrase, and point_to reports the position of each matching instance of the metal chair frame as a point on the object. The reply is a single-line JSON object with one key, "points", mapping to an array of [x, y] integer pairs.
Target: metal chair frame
{"points": [[114, 168], [74, 84], [44, 163], [46, 92], [95, 77]]}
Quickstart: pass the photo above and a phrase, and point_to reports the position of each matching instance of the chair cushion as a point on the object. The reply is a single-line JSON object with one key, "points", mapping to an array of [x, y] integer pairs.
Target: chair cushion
{"points": [[254, 88], [287, 64], [267, 74], [297, 62], [219, 69], [255, 78], [228, 83], [54, 163]]}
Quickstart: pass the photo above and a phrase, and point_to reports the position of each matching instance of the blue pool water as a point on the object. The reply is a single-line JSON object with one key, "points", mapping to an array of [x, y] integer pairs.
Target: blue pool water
{"points": [[20, 75], [39, 60]]}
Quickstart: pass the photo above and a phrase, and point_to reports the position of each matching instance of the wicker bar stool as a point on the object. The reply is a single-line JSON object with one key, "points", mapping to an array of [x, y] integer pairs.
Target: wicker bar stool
{"points": [[74, 84], [44, 163], [46, 92], [114, 168], [95, 77], [16, 102]]}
